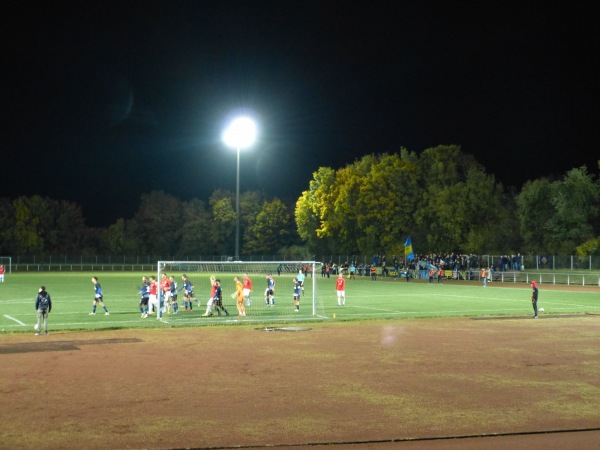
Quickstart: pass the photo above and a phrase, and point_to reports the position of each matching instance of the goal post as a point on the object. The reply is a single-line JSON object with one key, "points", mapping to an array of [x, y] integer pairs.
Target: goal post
{"points": [[260, 306], [6, 261]]}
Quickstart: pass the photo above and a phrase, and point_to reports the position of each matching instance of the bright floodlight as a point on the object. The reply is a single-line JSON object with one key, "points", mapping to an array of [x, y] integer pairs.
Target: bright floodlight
{"points": [[240, 133]]}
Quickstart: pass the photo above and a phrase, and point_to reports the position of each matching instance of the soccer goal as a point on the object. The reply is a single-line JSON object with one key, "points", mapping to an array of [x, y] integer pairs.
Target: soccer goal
{"points": [[261, 306], [6, 261]]}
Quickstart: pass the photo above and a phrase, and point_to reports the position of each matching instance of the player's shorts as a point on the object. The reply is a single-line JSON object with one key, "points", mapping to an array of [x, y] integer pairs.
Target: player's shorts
{"points": [[218, 302], [144, 300], [296, 297], [173, 297], [167, 295], [269, 292], [341, 293], [247, 292], [153, 299], [99, 299], [188, 294]]}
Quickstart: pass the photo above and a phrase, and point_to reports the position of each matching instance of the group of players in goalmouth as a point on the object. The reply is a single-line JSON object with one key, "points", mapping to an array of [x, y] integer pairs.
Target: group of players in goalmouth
{"points": [[161, 297]]}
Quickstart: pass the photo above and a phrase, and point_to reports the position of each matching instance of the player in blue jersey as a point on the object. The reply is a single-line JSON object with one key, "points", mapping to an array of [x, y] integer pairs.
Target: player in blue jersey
{"points": [[300, 278], [98, 297], [270, 291], [174, 291], [297, 289], [145, 296], [188, 292]]}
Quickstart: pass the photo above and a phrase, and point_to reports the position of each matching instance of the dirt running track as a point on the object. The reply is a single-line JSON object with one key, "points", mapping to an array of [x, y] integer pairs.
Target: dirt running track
{"points": [[408, 384]]}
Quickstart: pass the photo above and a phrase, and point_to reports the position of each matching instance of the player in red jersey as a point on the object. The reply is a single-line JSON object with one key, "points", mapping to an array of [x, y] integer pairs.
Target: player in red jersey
{"points": [[153, 297], [165, 287], [340, 287], [247, 288]]}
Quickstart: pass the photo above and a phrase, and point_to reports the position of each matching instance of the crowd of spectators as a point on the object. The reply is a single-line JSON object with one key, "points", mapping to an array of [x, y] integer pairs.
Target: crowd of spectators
{"points": [[400, 266]]}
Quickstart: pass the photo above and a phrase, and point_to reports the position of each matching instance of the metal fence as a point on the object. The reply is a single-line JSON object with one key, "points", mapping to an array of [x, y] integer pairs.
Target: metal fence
{"points": [[92, 263]]}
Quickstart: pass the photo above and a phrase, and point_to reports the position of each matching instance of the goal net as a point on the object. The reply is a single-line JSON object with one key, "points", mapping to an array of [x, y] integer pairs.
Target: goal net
{"points": [[260, 306], [6, 261]]}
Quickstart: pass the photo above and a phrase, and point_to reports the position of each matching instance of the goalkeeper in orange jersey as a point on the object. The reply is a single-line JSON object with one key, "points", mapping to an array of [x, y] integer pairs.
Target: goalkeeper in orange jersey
{"points": [[239, 290]]}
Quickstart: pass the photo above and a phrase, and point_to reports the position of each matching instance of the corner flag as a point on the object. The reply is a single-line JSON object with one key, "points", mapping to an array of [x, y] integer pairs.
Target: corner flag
{"points": [[408, 251]]}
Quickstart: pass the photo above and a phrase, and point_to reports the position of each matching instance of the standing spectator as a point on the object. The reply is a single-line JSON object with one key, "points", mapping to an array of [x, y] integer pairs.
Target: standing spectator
{"points": [[145, 296], [43, 306], [98, 297], [440, 275], [279, 269], [188, 291], [300, 279], [483, 277], [488, 274], [431, 274], [340, 288], [239, 289], [352, 271], [2, 270], [534, 298], [247, 284], [373, 273], [297, 288]]}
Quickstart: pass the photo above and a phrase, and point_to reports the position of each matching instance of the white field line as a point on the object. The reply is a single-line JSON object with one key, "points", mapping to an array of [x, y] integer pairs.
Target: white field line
{"points": [[16, 320]]}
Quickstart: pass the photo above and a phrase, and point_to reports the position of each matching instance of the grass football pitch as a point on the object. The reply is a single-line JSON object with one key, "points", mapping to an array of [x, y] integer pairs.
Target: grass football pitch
{"points": [[72, 295]]}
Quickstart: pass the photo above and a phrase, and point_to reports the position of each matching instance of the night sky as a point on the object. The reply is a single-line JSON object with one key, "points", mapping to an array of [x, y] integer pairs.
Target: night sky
{"points": [[104, 101]]}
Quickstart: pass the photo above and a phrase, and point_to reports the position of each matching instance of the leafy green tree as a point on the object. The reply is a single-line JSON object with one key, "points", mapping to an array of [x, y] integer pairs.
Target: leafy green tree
{"points": [[270, 230], [458, 203], [223, 224], [160, 217], [66, 233], [7, 224], [27, 233], [347, 212], [535, 211], [124, 238], [386, 204], [576, 207], [196, 239], [313, 210]]}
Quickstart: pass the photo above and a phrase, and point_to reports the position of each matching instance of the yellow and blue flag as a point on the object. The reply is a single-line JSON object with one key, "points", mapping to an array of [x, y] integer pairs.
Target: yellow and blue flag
{"points": [[408, 250]]}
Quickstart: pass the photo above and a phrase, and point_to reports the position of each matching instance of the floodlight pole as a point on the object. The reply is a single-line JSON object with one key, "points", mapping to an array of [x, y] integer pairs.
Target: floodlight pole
{"points": [[240, 134], [237, 208]]}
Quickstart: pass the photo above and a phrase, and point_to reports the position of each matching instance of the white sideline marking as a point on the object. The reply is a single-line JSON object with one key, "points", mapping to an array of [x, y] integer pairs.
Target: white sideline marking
{"points": [[16, 320]]}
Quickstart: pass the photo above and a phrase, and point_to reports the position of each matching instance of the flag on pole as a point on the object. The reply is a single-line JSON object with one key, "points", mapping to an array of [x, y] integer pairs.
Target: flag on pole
{"points": [[408, 250]]}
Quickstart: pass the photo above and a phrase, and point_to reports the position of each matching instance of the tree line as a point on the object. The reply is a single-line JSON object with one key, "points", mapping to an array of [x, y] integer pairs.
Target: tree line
{"points": [[448, 204], [162, 225], [441, 197]]}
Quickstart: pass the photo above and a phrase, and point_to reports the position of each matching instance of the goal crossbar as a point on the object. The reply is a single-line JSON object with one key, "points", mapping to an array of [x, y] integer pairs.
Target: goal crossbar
{"points": [[282, 272]]}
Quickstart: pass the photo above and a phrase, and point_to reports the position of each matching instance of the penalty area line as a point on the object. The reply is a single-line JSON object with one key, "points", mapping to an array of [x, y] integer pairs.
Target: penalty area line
{"points": [[16, 320]]}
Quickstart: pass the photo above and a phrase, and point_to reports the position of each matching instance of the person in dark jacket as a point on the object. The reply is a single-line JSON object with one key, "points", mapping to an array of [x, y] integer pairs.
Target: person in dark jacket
{"points": [[534, 298], [43, 306]]}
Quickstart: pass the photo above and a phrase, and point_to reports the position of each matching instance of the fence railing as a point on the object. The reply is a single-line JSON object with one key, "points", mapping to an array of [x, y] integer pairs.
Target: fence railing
{"points": [[466, 262], [580, 278]]}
